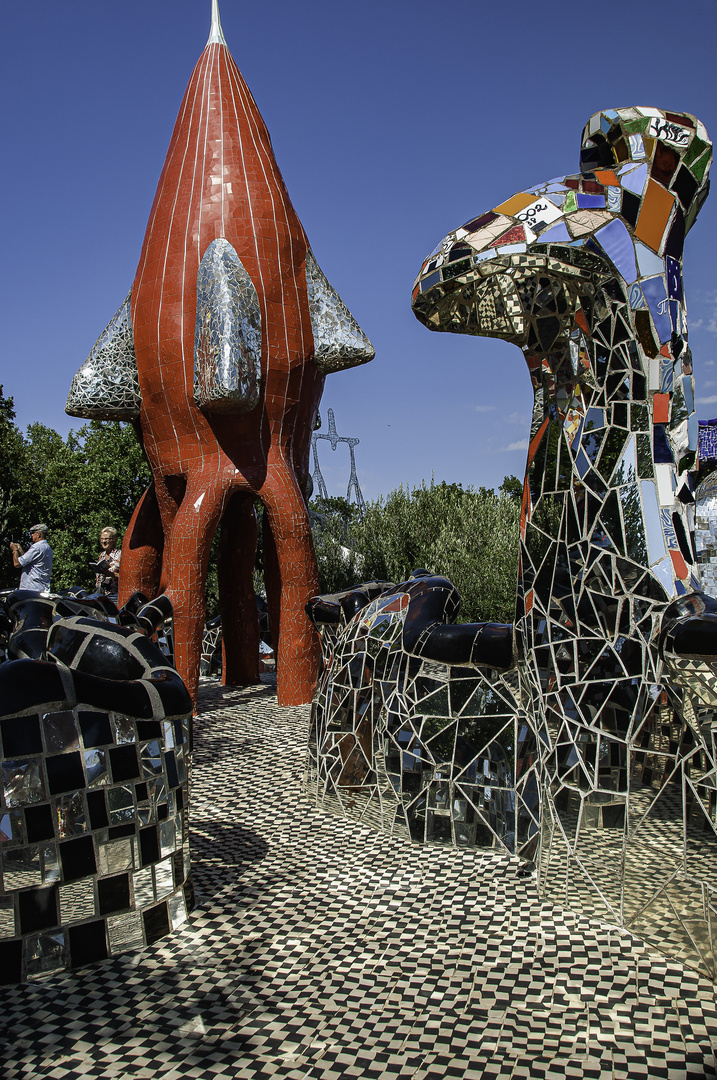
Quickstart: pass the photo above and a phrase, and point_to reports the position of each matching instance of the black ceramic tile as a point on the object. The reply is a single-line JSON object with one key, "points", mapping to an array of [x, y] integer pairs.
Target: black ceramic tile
{"points": [[149, 845], [77, 858], [95, 728], [97, 809], [88, 943], [37, 908], [65, 773], [10, 962], [21, 738], [124, 763], [40, 823], [156, 922], [113, 894]]}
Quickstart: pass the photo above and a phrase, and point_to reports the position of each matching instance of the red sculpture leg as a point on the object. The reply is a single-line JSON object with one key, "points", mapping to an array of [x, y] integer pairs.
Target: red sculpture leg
{"points": [[170, 492], [272, 583], [237, 603], [142, 549], [289, 522], [185, 565]]}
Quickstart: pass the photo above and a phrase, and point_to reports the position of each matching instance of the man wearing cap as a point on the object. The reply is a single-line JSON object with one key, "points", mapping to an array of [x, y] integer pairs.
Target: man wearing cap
{"points": [[36, 563]]}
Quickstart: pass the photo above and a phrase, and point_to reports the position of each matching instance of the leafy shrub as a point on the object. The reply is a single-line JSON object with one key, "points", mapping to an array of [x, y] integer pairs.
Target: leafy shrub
{"points": [[469, 536]]}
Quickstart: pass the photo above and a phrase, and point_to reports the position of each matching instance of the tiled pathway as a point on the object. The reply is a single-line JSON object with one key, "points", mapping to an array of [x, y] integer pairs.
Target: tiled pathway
{"points": [[323, 950]]}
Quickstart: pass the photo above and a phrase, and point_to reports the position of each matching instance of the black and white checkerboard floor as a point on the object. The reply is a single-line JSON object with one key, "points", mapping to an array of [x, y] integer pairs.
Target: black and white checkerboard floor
{"points": [[325, 950]]}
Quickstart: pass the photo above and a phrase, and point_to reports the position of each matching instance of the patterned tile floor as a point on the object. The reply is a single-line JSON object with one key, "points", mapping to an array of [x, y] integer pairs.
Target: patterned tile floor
{"points": [[324, 950]]}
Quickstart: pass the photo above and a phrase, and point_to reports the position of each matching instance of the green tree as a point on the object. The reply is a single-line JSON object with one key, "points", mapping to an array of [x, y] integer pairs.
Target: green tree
{"points": [[12, 455], [77, 486], [469, 536], [335, 505], [96, 476], [512, 487]]}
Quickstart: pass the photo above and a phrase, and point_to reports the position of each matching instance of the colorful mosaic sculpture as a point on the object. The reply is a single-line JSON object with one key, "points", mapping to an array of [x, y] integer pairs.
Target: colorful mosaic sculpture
{"points": [[616, 641], [415, 722], [94, 795], [221, 354], [707, 442]]}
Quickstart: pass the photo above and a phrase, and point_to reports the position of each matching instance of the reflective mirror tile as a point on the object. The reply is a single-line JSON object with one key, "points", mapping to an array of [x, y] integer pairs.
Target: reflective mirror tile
{"points": [[115, 856], [164, 878], [96, 769], [60, 732], [7, 916], [143, 886], [71, 814], [45, 953], [177, 910], [22, 782], [77, 900], [22, 868], [125, 932]]}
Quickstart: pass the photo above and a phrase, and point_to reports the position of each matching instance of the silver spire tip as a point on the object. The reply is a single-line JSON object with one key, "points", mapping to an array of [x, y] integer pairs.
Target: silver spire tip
{"points": [[216, 35]]}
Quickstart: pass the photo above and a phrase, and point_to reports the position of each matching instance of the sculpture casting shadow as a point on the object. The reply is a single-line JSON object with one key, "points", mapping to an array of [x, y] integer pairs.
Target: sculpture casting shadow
{"points": [[584, 275], [218, 356], [95, 743], [414, 724]]}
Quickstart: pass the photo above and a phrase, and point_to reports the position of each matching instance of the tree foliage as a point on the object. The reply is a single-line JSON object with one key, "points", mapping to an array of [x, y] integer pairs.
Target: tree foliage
{"points": [[76, 486], [11, 464], [469, 536], [95, 477]]}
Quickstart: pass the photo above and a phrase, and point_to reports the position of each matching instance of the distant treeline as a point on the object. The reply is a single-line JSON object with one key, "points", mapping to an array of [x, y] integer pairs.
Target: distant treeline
{"points": [[95, 477], [76, 486], [469, 536]]}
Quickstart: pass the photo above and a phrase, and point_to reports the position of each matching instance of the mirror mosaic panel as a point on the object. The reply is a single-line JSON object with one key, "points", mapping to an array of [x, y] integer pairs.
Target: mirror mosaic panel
{"points": [[599, 761], [407, 734], [227, 341], [616, 634], [706, 530], [339, 341], [94, 852], [107, 385]]}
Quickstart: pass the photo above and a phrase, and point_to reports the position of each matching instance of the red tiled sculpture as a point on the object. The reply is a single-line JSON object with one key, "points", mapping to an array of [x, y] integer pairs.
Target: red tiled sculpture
{"points": [[213, 446]]}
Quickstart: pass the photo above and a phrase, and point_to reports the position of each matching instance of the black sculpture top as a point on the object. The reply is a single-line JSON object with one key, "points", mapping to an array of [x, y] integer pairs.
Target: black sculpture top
{"points": [[429, 629]]}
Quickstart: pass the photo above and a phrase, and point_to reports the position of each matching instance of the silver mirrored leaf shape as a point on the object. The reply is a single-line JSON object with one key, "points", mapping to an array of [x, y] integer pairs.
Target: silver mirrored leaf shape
{"points": [[107, 386], [227, 340], [339, 341]]}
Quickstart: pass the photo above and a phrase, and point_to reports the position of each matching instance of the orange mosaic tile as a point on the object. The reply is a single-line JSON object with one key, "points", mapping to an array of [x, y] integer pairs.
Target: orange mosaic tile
{"points": [[654, 215]]}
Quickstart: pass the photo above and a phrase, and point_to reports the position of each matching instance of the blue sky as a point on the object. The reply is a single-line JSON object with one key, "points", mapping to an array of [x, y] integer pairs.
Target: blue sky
{"points": [[392, 122]]}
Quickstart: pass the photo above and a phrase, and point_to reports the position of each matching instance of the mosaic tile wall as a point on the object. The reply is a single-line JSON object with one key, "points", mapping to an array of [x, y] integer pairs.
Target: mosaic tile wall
{"points": [[707, 441], [94, 761], [614, 634], [221, 352], [227, 338], [107, 386], [407, 733], [706, 532]]}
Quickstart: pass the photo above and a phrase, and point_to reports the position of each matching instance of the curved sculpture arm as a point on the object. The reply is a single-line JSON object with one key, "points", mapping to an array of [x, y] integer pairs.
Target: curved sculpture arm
{"points": [[332, 606], [484, 644], [429, 630], [689, 628]]}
